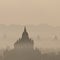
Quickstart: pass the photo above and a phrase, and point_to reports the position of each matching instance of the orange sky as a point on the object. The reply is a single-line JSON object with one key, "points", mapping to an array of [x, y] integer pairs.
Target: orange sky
{"points": [[30, 12]]}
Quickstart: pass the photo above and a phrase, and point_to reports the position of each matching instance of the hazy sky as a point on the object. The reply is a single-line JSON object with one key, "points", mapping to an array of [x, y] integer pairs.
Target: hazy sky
{"points": [[30, 12]]}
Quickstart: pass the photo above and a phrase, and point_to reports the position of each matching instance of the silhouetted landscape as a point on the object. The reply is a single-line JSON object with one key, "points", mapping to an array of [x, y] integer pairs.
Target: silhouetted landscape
{"points": [[42, 47], [29, 29]]}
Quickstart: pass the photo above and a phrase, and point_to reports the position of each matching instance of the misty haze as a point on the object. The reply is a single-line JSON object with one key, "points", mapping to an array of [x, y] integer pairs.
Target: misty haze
{"points": [[29, 29], [33, 42]]}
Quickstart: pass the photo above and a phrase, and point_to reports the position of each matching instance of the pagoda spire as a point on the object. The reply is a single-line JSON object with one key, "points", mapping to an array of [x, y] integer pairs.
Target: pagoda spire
{"points": [[25, 29], [25, 34], [25, 40]]}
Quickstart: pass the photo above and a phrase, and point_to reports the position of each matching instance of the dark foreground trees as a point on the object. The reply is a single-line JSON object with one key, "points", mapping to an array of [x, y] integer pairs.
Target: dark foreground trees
{"points": [[23, 54]]}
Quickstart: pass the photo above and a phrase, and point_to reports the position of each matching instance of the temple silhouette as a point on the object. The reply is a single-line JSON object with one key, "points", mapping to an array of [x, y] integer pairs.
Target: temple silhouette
{"points": [[25, 41], [23, 49]]}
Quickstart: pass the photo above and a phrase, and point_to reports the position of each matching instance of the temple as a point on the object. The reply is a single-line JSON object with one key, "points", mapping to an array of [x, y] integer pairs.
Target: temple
{"points": [[23, 49], [25, 41]]}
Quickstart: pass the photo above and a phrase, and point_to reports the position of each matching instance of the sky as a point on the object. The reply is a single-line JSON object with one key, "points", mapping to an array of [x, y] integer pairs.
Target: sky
{"points": [[30, 12]]}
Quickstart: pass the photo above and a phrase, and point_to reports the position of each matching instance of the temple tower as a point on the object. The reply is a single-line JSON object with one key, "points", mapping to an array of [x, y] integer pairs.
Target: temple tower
{"points": [[25, 41]]}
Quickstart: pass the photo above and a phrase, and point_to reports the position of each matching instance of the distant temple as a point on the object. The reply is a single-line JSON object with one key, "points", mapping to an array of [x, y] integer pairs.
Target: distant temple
{"points": [[23, 49], [25, 41]]}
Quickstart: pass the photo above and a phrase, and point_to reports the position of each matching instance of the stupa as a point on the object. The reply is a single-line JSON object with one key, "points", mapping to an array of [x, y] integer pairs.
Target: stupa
{"points": [[25, 41]]}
